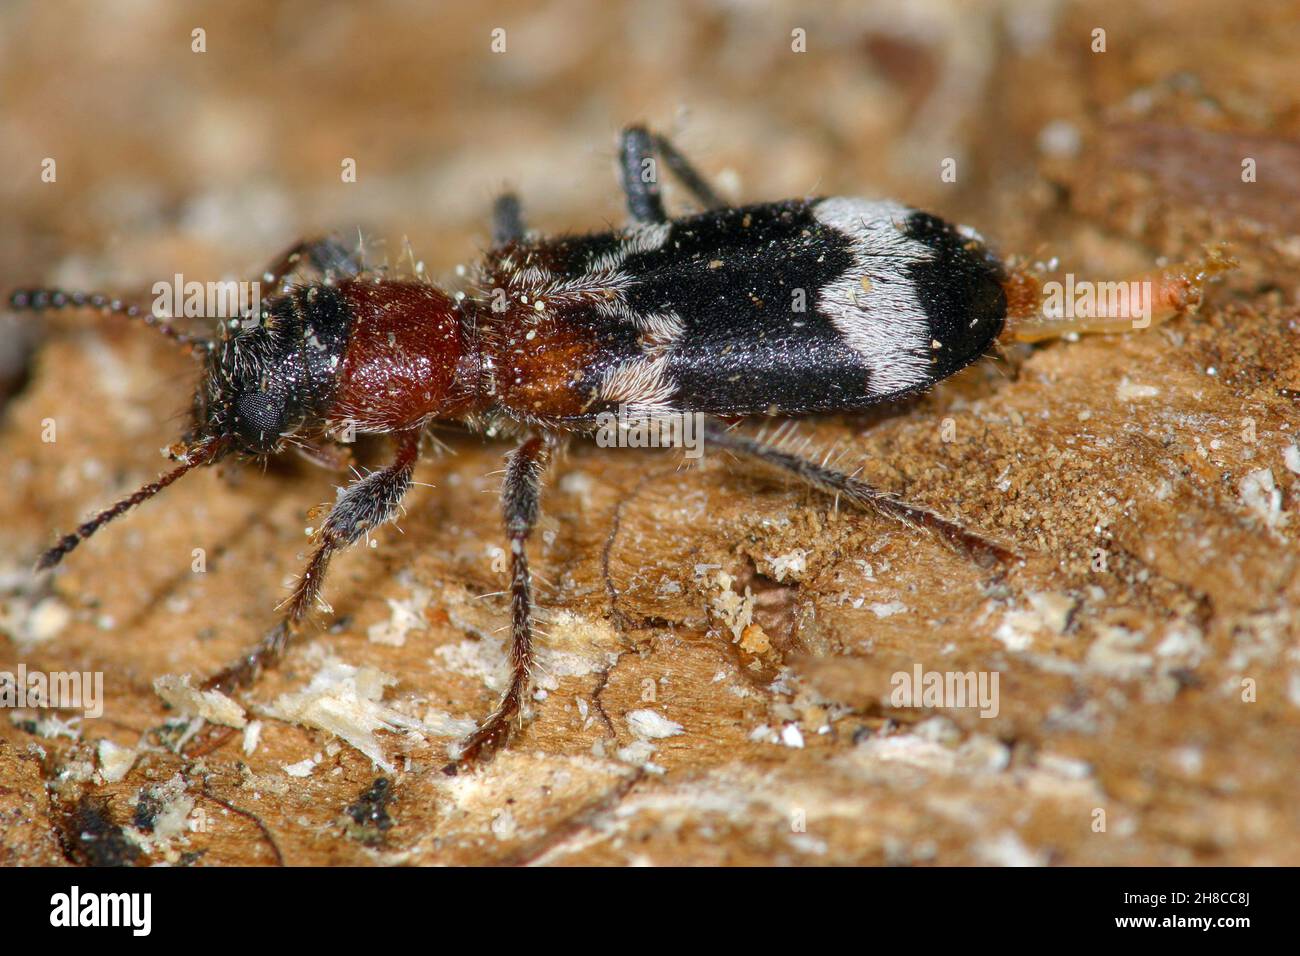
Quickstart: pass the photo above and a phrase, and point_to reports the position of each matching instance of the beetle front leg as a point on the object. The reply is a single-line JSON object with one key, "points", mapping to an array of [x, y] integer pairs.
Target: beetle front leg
{"points": [[327, 256], [364, 504]]}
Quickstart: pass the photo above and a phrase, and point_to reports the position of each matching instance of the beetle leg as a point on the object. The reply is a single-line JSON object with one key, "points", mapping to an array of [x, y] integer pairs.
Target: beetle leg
{"points": [[637, 149], [363, 505], [507, 220], [687, 174], [984, 552], [520, 500], [640, 176], [327, 256]]}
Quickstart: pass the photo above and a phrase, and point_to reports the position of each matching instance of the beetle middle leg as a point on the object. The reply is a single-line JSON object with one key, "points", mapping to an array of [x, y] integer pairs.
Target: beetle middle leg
{"points": [[521, 501], [364, 504], [984, 552]]}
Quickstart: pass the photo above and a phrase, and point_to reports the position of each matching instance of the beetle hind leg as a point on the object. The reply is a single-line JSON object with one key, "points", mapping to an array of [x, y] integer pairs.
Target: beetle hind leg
{"points": [[638, 150], [640, 178], [507, 220], [687, 174], [982, 551]]}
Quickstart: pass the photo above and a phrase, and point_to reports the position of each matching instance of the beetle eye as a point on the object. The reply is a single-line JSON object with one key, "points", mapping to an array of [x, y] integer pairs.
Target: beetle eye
{"points": [[262, 411]]}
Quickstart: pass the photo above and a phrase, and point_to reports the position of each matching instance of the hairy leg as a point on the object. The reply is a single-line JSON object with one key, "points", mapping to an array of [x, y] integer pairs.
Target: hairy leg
{"points": [[365, 504], [984, 552], [640, 176], [520, 500], [687, 174], [329, 257]]}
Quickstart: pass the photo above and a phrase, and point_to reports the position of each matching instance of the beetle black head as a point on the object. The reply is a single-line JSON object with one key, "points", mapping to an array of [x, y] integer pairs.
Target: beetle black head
{"points": [[268, 374], [272, 373]]}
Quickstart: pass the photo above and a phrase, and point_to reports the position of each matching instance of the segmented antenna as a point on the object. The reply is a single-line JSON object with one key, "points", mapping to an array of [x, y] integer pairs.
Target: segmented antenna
{"points": [[193, 457], [41, 300]]}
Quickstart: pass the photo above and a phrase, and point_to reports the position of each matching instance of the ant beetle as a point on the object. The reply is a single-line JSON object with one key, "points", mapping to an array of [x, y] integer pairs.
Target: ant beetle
{"points": [[667, 316]]}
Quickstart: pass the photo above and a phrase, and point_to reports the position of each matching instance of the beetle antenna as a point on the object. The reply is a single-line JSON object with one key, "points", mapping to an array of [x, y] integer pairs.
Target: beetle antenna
{"points": [[191, 459], [41, 300]]}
